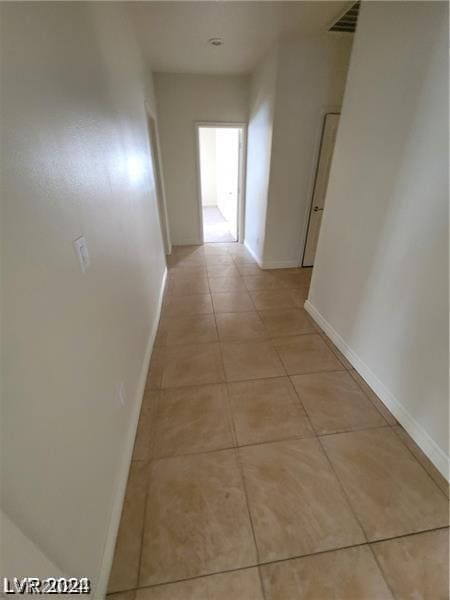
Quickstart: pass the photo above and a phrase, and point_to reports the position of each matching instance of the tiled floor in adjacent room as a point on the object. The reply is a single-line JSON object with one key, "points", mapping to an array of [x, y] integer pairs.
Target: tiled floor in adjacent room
{"points": [[215, 227], [264, 466]]}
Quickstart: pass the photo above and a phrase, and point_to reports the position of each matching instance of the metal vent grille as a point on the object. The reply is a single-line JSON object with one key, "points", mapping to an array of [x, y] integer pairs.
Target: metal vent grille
{"points": [[347, 22]]}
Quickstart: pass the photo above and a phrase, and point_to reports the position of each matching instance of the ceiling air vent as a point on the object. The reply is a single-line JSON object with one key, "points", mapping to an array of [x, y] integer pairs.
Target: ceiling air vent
{"points": [[347, 22]]}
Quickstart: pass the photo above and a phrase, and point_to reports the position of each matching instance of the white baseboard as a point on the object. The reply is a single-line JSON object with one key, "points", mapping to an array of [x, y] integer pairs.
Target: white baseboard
{"points": [[188, 242], [271, 264], [436, 455], [253, 253], [279, 264], [108, 554]]}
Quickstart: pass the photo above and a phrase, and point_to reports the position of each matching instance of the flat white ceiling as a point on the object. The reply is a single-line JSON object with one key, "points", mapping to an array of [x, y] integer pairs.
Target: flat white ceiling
{"points": [[174, 35]]}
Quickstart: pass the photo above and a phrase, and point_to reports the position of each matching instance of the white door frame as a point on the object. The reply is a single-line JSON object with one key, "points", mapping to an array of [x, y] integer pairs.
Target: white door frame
{"points": [[241, 177], [155, 156]]}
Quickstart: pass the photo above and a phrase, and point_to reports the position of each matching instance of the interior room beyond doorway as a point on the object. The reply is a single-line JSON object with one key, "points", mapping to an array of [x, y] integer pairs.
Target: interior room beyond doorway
{"points": [[219, 156]]}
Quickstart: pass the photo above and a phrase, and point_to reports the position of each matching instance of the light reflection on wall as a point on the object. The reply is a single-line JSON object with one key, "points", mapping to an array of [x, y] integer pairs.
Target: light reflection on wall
{"points": [[135, 168]]}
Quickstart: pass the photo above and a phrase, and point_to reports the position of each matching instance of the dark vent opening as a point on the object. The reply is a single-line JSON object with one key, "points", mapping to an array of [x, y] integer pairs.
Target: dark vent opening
{"points": [[347, 22]]}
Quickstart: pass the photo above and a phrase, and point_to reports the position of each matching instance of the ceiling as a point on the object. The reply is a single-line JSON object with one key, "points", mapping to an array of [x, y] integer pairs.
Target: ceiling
{"points": [[174, 35]]}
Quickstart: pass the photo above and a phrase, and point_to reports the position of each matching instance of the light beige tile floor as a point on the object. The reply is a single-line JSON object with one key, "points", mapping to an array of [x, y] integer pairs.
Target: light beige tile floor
{"points": [[197, 521], [416, 566], [265, 468], [192, 419], [267, 410], [349, 574], [294, 498], [236, 301], [335, 403], [240, 326]]}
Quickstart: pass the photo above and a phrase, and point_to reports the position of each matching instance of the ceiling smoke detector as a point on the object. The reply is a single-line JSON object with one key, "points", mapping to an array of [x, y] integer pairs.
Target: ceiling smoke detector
{"points": [[215, 41]]}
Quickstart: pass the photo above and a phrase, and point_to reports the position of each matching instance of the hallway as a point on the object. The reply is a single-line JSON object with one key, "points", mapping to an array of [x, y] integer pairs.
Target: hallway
{"points": [[215, 227], [264, 466]]}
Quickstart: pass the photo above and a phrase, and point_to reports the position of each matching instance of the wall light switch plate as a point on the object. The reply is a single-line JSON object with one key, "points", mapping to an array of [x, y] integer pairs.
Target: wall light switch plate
{"points": [[81, 250]]}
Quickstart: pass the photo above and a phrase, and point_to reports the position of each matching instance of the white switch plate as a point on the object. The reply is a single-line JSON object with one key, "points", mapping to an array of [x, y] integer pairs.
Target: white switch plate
{"points": [[81, 250]]}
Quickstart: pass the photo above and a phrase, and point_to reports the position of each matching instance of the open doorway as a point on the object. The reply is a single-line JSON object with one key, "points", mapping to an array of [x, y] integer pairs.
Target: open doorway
{"points": [[220, 173]]}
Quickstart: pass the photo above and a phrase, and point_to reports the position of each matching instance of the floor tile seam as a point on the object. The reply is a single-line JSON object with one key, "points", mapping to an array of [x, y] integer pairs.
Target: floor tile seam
{"points": [[258, 565], [248, 293], [333, 349], [349, 502], [331, 432], [355, 430], [149, 461], [238, 459], [181, 344], [344, 491], [229, 381], [376, 407], [224, 382], [237, 445], [266, 337], [288, 336], [418, 461], [273, 346], [218, 276], [247, 504], [299, 401], [222, 361], [217, 334], [144, 520], [383, 575], [313, 372], [367, 395], [378, 562]]}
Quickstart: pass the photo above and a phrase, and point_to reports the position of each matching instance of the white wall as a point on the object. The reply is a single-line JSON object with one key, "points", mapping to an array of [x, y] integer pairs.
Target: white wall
{"points": [[292, 89], [380, 282], [75, 161], [208, 161], [311, 80], [182, 101], [259, 150]]}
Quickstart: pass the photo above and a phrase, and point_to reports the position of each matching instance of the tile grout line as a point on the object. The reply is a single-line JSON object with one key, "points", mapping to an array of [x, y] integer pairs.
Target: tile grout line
{"points": [[371, 401], [352, 510], [237, 457], [241, 469], [417, 460], [148, 468], [313, 429], [291, 438], [383, 575], [332, 432], [281, 560], [244, 488], [151, 447], [343, 490], [193, 385]]}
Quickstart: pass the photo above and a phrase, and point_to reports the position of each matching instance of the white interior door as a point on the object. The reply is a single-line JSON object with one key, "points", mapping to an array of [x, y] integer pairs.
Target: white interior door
{"points": [[227, 174], [330, 127]]}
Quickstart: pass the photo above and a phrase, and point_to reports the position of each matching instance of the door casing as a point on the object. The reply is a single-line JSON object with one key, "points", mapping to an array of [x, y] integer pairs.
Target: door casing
{"points": [[155, 156]]}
